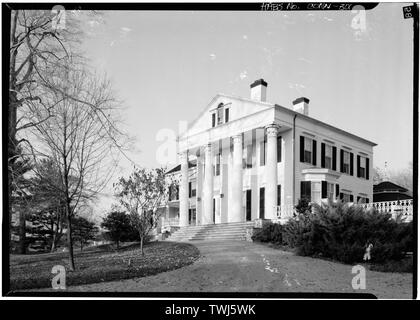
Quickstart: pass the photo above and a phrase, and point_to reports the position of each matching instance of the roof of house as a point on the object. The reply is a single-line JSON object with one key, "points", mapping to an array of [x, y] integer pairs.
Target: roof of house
{"points": [[388, 186], [191, 164], [283, 109]]}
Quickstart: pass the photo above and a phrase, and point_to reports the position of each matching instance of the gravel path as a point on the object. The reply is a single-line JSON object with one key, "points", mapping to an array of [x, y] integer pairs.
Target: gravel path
{"points": [[249, 267]]}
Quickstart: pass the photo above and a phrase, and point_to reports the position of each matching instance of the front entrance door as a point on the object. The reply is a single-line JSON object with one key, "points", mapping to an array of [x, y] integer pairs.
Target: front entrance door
{"points": [[192, 216], [248, 205]]}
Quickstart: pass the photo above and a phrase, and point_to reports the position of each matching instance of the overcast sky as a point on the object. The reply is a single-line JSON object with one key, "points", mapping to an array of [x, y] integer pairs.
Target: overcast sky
{"points": [[167, 66]]}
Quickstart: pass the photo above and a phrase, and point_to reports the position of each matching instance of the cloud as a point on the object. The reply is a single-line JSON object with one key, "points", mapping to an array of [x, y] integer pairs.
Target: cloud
{"points": [[305, 60], [93, 23], [125, 29], [212, 56], [245, 37], [243, 75]]}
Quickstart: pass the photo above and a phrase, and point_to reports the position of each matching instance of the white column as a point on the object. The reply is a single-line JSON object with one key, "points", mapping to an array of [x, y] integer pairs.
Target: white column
{"points": [[271, 173], [199, 190], [183, 191], [207, 217], [236, 213]]}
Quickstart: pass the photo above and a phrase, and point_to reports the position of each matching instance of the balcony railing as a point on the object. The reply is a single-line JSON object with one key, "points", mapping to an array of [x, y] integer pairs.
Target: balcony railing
{"points": [[285, 211], [168, 222], [397, 207]]}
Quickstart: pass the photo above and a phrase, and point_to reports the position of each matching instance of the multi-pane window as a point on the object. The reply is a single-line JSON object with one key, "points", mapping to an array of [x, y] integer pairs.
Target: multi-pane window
{"points": [[220, 111], [361, 199], [247, 154], [192, 189], [346, 197], [328, 156], [308, 150], [220, 115], [217, 166], [346, 162], [316, 192], [361, 167], [330, 191]]}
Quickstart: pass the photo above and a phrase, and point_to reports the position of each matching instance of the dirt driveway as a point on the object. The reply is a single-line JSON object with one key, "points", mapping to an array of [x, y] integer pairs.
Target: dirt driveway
{"points": [[249, 267]]}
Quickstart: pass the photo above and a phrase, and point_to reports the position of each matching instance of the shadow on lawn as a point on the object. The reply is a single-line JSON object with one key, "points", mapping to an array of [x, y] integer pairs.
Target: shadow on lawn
{"points": [[101, 265]]}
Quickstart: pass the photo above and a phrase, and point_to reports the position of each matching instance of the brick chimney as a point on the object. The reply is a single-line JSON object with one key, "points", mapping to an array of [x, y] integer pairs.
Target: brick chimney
{"points": [[259, 90], [301, 105]]}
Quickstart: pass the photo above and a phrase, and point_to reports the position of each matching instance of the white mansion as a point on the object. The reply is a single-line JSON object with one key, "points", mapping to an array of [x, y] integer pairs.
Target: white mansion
{"points": [[244, 159]]}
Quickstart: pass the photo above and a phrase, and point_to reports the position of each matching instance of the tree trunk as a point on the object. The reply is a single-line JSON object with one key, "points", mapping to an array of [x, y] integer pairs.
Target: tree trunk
{"points": [[141, 245], [70, 242], [53, 243], [12, 153], [22, 231]]}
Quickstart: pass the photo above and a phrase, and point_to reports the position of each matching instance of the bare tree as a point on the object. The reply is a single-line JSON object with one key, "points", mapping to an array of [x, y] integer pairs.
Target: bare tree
{"points": [[80, 137], [36, 47], [142, 194]]}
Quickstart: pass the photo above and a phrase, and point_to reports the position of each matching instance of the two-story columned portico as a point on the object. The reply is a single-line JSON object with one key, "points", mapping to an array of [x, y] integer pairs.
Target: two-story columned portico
{"points": [[244, 159]]}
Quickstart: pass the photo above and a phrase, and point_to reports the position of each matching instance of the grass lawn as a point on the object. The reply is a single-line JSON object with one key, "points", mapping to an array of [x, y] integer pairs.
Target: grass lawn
{"points": [[100, 264]]}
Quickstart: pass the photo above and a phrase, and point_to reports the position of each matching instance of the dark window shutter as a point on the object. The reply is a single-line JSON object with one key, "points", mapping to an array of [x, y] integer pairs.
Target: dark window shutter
{"points": [[314, 152], [262, 153], [227, 115], [323, 189], [351, 164], [322, 155], [279, 195], [351, 198], [358, 166], [170, 192], [189, 189], [213, 120], [367, 200], [337, 190], [305, 190], [358, 199], [278, 149], [341, 196], [262, 203], [334, 158], [341, 160], [367, 168], [302, 149]]}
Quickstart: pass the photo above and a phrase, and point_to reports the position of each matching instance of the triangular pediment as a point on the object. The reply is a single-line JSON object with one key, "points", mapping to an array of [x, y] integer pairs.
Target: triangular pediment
{"points": [[238, 108]]}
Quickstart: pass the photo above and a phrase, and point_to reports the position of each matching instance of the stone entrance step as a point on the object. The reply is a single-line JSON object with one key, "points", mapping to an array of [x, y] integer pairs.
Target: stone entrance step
{"points": [[222, 231]]}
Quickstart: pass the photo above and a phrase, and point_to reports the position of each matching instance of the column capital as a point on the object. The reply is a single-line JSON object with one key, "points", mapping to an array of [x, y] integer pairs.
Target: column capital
{"points": [[272, 129], [237, 138]]}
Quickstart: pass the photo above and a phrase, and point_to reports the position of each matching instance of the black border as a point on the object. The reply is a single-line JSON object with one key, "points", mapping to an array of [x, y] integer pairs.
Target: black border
{"points": [[6, 10]]}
